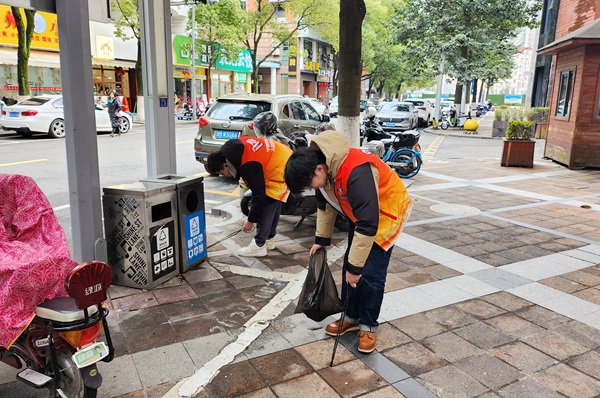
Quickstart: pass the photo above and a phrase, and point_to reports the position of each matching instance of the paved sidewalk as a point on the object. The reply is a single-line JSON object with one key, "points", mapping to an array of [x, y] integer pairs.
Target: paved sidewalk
{"points": [[493, 291]]}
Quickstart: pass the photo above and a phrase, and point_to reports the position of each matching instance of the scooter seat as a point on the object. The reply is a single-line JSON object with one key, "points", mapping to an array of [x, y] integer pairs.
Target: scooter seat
{"points": [[63, 309]]}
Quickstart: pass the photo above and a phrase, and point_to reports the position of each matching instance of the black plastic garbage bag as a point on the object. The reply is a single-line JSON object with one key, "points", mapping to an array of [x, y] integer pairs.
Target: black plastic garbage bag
{"points": [[319, 297]]}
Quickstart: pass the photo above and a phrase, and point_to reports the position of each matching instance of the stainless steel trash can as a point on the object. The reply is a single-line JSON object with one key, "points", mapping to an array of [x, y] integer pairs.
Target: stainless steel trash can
{"points": [[140, 226], [192, 221]]}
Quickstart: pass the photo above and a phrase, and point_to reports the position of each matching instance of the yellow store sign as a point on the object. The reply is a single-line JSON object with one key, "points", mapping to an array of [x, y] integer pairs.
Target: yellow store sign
{"points": [[45, 34]]}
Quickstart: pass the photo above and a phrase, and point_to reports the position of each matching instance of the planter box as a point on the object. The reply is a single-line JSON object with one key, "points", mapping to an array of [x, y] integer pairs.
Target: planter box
{"points": [[518, 153], [499, 128]]}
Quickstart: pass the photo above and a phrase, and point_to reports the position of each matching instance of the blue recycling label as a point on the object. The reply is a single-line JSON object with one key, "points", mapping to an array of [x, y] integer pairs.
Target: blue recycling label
{"points": [[195, 239]]}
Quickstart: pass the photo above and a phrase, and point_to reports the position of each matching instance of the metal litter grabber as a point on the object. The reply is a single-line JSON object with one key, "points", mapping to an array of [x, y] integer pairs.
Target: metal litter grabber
{"points": [[337, 336]]}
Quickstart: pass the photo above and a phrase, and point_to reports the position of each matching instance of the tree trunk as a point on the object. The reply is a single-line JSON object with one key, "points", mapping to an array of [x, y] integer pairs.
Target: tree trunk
{"points": [[352, 12], [138, 70], [458, 93], [25, 36], [481, 90], [474, 95]]}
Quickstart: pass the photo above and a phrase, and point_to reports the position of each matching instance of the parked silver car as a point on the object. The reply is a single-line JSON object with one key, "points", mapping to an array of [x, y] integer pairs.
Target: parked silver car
{"points": [[397, 116]]}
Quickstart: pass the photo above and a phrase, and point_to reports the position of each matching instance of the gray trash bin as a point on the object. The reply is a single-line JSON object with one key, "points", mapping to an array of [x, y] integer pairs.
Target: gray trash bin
{"points": [[192, 221], [140, 225]]}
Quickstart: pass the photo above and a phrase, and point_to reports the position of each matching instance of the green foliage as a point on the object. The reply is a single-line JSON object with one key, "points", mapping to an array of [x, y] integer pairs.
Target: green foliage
{"points": [[540, 115], [519, 130], [261, 23], [127, 26], [499, 112], [474, 35]]}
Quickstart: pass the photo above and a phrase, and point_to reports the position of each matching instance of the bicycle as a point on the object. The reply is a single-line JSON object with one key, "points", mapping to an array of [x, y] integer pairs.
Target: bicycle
{"points": [[403, 154]]}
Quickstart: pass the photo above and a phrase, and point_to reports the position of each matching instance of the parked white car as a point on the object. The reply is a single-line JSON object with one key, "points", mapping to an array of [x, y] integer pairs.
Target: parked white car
{"points": [[45, 114], [319, 107], [333, 107], [425, 110]]}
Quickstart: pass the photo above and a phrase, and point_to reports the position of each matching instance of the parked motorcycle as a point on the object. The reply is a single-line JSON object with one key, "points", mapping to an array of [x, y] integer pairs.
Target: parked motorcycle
{"points": [[60, 347], [51, 312]]}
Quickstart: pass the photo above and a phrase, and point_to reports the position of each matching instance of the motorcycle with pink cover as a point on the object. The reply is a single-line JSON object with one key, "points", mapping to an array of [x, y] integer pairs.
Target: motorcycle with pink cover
{"points": [[51, 312]]}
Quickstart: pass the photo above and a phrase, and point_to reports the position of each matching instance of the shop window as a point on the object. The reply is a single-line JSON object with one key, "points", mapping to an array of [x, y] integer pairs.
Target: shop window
{"points": [[564, 93], [106, 80], [308, 47]]}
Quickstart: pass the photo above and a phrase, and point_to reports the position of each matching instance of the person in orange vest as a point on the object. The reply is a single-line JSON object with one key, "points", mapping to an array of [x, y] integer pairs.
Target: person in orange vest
{"points": [[260, 162], [370, 194]]}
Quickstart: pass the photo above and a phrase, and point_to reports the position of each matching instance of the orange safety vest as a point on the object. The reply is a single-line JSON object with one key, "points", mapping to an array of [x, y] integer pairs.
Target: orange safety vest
{"points": [[273, 156], [394, 201]]}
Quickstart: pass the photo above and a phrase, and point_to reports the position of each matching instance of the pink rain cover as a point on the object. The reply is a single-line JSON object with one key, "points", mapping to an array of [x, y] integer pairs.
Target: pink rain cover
{"points": [[34, 254]]}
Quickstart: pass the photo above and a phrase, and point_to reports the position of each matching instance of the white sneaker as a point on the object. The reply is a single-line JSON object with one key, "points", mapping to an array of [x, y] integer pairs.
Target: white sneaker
{"points": [[270, 244], [253, 250]]}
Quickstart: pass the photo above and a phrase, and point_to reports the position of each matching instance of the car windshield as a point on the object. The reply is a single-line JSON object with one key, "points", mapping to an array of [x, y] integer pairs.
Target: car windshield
{"points": [[402, 108], [418, 103], [237, 110], [35, 101], [445, 104], [388, 107]]}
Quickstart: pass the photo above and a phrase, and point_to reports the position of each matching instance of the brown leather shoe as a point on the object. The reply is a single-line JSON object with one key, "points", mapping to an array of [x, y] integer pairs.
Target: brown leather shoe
{"points": [[366, 341], [332, 328]]}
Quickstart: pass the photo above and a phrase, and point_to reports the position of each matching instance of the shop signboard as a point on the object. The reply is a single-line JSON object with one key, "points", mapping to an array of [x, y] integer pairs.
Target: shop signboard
{"points": [[292, 67], [513, 99], [182, 46], [242, 64], [45, 33]]}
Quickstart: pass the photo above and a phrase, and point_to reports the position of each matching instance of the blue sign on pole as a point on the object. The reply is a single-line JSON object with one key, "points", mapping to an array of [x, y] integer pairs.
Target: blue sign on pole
{"points": [[195, 241]]}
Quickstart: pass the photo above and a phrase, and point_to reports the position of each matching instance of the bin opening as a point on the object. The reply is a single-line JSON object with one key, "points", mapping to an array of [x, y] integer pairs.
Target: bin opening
{"points": [[192, 201], [161, 211], [170, 177]]}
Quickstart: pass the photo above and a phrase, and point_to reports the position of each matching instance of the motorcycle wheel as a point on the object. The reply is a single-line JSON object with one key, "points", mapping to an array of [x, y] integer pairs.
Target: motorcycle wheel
{"points": [[245, 205], [412, 161], [71, 382], [444, 125]]}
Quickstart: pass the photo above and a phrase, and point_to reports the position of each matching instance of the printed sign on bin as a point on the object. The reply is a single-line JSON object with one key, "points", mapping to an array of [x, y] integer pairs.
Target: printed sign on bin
{"points": [[194, 237]]}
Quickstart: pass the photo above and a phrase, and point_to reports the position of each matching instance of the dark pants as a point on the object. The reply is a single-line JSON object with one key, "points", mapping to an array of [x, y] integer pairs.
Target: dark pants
{"points": [[364, 302], [267, 225], [114, 121]]}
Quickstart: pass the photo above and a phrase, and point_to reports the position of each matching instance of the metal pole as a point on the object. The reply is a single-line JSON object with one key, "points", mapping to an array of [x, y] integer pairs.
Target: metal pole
{"points": [[438, 94], [194, 61]]}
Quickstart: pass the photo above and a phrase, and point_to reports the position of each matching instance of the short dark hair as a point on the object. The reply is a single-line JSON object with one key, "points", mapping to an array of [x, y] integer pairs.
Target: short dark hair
{"points": [[215, 161], [300, 168]]}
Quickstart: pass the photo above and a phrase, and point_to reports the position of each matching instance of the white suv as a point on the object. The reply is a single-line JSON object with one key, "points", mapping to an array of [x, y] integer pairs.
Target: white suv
{"points": [[425, 110]]}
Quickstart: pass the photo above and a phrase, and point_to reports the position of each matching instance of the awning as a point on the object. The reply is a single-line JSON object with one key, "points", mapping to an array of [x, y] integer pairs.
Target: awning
{"points": [[8, 56], [586, 35], [121, 63]]}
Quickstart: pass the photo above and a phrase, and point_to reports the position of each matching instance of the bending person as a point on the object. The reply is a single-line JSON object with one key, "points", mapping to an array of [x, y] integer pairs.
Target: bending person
{"points": [[260, 162], [373, 198]]}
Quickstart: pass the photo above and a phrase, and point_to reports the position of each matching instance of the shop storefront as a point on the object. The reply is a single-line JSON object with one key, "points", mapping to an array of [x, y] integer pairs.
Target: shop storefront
{"points": [[44, 61]]}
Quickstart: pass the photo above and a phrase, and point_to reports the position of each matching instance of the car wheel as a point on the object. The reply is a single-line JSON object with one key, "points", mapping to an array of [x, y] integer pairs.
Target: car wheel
{"points": [[124, 125], [57, 129]]}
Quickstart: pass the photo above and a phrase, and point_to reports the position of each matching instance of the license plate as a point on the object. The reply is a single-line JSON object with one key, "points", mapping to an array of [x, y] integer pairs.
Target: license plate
{"points": [[13, 114], [390, 124], [90, 354], [226, 134]]}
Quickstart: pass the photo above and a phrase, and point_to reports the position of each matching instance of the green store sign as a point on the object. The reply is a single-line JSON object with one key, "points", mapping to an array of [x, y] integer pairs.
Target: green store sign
{"points": [[182, 56]]}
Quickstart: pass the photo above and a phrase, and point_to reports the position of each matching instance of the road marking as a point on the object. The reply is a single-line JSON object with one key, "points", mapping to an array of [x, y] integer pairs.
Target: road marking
{"points": [[184, 142], [235, 192], [431, 150], [25, 162], [212, 202]]}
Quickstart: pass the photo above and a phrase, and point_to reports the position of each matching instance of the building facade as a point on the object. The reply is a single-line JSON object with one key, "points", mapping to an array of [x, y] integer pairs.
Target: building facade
{"points": [[573, 89]]}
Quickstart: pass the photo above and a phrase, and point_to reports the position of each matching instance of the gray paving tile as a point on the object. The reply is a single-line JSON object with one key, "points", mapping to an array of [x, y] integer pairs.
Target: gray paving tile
{"points": [[471, 285], [446, 292], [384, 367], [591, 249], [571, 306], [582, 254], [268, 342], [489, 370], [416, 299], [536, 292], [410, 388], [391, 309], [203, 349], [299, 330], [163, 364], [490, 274], [119, 377], [464, 265], [592, 319], [504, 284], [569, 261]]}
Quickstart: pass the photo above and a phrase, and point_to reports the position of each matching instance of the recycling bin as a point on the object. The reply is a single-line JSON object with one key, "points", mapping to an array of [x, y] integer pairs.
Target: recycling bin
{"points": [[140, 226], [192, 221]]}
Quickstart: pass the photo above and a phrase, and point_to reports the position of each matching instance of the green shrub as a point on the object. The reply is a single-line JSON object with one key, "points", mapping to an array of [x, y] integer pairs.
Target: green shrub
{"points": [[498, 113], [519, 130], [540, 115]]}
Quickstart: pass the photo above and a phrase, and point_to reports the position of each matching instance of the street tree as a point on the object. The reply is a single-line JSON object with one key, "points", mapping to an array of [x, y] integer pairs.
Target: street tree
{"points": [[127, 27], [460, 29], [279, 22], [352, 13], [218, 33], [25, 29]]}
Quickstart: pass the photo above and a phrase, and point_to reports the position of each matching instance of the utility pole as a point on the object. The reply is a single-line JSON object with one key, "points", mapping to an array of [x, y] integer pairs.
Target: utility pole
{"points": [[194, 61]]}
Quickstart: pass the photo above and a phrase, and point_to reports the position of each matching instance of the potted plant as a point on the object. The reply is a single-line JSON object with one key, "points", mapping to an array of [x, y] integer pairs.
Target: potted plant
{"points": [[519, 147], [500, 122]]}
